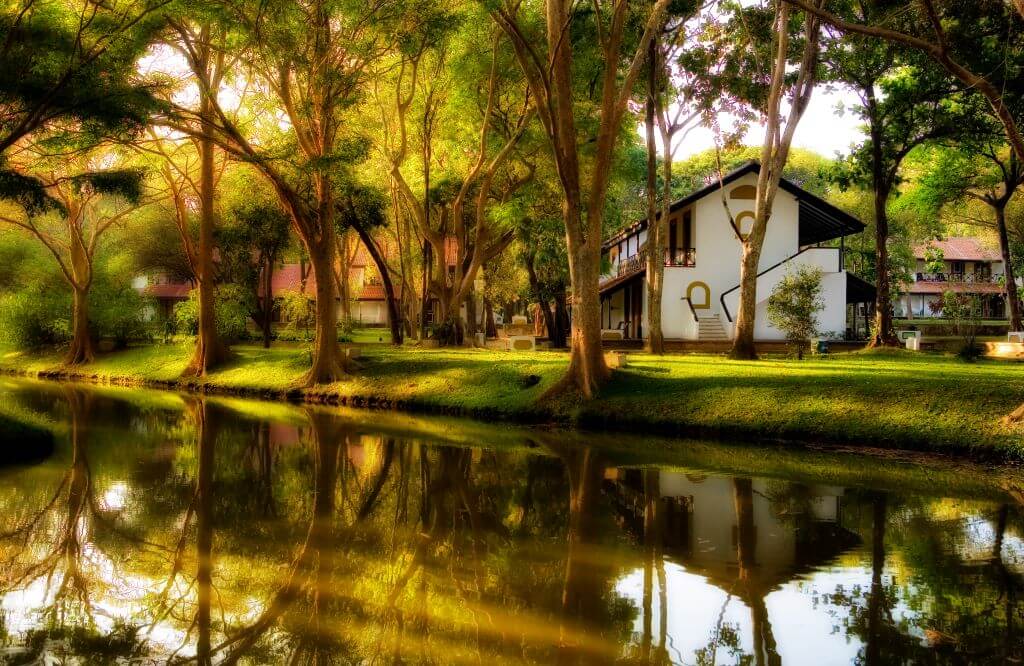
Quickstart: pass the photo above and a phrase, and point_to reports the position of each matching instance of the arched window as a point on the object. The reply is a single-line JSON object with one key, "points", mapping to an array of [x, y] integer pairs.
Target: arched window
{"points": [[748, 192]]}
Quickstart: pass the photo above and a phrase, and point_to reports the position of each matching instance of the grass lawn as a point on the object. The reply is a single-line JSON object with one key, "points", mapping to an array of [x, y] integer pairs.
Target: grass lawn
{"points": [[892, 399]]}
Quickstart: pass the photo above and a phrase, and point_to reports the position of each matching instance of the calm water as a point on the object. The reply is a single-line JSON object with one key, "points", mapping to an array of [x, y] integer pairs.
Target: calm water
{"points": [[169, 528]]}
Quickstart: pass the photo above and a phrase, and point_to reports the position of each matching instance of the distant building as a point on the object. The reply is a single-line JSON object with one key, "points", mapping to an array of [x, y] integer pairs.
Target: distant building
{"points": [[969, 266]]}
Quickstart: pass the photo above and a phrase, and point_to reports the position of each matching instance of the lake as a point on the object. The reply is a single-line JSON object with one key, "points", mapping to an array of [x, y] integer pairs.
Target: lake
{"points": [[169, 527]]}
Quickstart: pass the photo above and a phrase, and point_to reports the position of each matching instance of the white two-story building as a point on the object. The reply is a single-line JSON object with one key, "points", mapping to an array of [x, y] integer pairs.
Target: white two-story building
{"points": [[702, 262]]}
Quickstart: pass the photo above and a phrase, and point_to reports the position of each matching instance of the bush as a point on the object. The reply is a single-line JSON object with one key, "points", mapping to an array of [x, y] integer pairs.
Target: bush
{"points": [[118, 312], [965, 312], [230, 310], [794, 304], [35, 317], [298, 314]]}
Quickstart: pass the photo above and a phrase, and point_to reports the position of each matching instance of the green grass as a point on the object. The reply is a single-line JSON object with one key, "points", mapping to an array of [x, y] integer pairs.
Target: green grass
{"points": [[893, 399]]}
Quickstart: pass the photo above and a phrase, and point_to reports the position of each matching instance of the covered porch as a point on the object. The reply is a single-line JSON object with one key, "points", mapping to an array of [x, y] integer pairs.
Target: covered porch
{"points": [[623, 306]]}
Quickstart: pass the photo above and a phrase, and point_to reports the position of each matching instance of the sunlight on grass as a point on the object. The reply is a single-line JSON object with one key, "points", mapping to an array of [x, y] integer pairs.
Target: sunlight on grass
{"points": [[889, 398]]}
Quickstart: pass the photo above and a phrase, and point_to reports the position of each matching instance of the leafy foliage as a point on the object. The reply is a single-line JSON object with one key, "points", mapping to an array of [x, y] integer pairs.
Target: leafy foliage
{"points": [[231, 312], [794, 304], [35, 317]]}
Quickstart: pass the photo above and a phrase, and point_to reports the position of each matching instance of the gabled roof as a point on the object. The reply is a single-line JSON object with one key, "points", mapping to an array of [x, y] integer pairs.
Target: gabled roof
{"points": [[959, 249], [819, 220]]}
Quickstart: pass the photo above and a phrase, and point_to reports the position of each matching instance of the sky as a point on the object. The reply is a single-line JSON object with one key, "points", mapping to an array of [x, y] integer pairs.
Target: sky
{"points": [[821, 129]]}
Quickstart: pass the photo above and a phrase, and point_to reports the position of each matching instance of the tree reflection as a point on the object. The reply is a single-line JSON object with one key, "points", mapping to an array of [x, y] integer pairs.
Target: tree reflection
{"points": [[752, 588], [52, 557]]}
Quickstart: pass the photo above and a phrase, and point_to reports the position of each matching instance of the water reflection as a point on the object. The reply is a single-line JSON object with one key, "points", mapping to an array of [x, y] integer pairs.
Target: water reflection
{"points": [[171, 528]]}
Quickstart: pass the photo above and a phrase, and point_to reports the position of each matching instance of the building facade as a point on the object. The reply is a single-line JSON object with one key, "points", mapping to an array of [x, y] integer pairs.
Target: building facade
{"points": [[702, 263]]}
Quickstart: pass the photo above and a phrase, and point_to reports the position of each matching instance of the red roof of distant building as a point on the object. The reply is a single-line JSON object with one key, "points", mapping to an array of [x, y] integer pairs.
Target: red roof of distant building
{"points": [[165, 290], [289, 278], [959, 249], [956, 287], [375, 292]]}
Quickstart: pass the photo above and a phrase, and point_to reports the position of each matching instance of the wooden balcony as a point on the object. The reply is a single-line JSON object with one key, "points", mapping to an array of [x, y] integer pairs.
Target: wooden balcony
{"points": [[967, 278]]}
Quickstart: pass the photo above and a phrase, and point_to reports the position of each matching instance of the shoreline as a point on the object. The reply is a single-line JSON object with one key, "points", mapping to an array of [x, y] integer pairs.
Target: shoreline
{"points": [[622, 409]]}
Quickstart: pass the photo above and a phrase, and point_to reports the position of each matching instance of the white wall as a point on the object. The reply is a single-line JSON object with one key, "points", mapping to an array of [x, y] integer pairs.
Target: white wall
{"points": [[370, 312]]}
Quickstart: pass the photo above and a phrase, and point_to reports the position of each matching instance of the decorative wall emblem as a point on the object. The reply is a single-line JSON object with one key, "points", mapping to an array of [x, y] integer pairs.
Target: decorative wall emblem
{"points": [[699, 295]]}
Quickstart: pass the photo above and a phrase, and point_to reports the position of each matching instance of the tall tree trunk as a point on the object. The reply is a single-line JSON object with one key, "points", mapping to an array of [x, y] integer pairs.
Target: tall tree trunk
{"points": [[587, 369], [210, 349], [425, 295], [743, 343], [329, 364], [394, 312], [561, 320], [1012, 293], [490, 328], [883, 334], [655, 225], [471, 317], [81, 350], [774, 155]]}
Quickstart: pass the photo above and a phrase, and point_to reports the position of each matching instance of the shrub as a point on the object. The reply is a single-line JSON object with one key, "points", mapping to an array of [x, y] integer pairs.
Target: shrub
{"points": [[297, 313], [794, 304], [117, 311], [35, 317], [965, 312], [230, 309]]}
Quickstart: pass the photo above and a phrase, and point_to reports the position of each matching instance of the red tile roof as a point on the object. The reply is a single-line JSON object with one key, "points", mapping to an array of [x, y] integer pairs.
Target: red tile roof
{"points": [[178, 291], [375, 292], [960, 249], [289, 278], [957, 287]]}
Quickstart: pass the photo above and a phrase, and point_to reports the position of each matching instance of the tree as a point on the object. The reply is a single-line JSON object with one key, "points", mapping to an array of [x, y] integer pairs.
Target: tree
{"points": [[794, 305], [774, 155], [250, 244], [542, 255], [965, 312], [64, 64], [550, 79], [672, 105], [76, 205], [986, 172], [310, 60], [362, 209], [469, 228], [905, 102], [957, 36], [202, 46]]}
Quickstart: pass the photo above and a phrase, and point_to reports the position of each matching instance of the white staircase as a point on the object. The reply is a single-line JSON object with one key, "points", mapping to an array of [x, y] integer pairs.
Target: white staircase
{"points": [[710, 328]]}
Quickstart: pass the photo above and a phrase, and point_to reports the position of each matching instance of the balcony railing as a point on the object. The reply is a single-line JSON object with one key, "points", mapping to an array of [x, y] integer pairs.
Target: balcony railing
{"points": [[970, 278], [632, 265]]}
